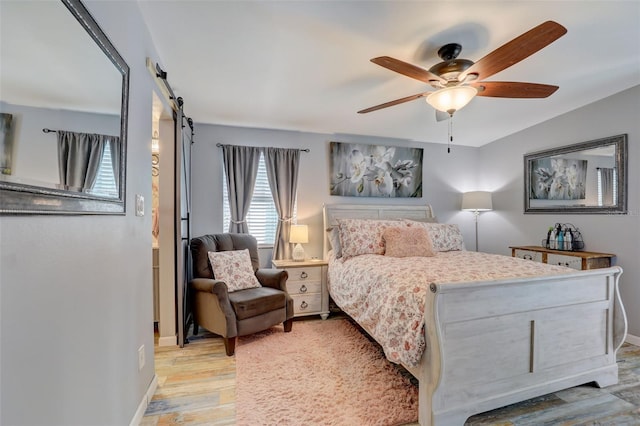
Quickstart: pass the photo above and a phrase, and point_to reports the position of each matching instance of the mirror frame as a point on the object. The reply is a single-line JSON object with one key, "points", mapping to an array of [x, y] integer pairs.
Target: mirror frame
{"points": [[620, 143], [29, 199]]}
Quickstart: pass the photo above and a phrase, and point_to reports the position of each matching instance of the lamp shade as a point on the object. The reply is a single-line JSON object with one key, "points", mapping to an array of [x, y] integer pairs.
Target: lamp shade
{"points": [[451, 99], [299, 234], [477, 201]]}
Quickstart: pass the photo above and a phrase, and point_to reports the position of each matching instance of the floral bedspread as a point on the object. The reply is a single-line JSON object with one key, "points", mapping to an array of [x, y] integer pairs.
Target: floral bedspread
{"points": [[386, 295]]}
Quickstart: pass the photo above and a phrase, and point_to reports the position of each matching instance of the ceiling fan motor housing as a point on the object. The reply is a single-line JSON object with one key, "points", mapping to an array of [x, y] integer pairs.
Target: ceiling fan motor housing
{"points": [[450, 70], [450, 67]]}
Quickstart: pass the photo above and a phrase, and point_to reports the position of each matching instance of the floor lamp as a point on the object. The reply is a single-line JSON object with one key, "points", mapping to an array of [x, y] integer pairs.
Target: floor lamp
{"points": [[476, 202]]}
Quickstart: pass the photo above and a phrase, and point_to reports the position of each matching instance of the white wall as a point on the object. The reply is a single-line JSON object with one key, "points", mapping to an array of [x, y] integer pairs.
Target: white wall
{"points": [[445, 176], [76, 291], [502, 172]]}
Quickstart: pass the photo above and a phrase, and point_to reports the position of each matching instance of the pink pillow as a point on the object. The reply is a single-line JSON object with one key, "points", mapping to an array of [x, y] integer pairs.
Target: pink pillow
{"points": [[407, 242], [364, 236], [444, 236], [234, 268]]}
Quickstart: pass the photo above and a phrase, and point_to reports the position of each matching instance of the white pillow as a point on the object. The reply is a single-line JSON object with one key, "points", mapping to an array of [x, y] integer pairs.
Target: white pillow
{"points": [[234, 268]]}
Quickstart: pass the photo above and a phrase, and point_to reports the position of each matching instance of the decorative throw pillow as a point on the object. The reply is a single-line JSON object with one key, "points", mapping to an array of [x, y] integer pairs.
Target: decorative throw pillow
{"points": [[444, 236], [407, 242], [334, 240], [364, 236], [234, 268]]}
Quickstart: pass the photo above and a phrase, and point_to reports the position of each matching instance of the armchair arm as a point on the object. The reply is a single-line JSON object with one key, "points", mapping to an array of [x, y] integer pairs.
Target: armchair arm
{"points": [[205, 290], [277, 278], [274, 278], [208, 285]]}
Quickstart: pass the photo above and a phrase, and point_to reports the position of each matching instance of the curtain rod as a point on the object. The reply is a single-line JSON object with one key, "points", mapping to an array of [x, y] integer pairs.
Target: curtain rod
{"points": [[219, 145], [49, 130]]}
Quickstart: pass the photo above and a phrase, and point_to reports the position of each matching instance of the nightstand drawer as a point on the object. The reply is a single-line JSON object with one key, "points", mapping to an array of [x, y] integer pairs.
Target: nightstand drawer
{"points": [[304, 274], [528, 255], [304, 287], [306, 303], [570, 261]]}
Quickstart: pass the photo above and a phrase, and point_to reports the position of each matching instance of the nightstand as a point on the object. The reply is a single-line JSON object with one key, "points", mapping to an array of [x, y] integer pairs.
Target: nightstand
{"points": [[307, 285], [573, 259]]}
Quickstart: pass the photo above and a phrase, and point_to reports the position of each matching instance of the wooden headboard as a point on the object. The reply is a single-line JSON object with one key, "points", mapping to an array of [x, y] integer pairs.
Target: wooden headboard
{"points": [[332, 212]]}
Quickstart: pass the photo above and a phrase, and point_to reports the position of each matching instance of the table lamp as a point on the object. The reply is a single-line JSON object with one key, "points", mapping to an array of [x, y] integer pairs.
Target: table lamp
{"points": [[299, 235]]}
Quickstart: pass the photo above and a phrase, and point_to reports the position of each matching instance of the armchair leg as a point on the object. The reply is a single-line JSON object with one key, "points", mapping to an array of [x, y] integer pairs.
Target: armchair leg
{"points": [[230, 345], [287, 325]]}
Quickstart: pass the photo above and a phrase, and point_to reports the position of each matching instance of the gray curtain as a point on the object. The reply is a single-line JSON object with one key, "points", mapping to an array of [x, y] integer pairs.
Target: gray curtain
{"points": [[240, 169], [606, 180], [79, 156], [282, 172], [114, 146]]}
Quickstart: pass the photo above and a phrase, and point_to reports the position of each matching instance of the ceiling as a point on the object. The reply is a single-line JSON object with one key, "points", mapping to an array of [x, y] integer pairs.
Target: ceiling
{"points": [[304, 65]]}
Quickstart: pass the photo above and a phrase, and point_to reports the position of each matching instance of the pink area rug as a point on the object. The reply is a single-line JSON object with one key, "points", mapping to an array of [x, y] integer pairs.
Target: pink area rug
{"points": [[322, 373]]}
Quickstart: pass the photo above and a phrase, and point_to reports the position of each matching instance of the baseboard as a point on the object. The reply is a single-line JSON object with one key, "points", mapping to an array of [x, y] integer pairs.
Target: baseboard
{"points": [[146, 398], [634, 340], [168, 341]]}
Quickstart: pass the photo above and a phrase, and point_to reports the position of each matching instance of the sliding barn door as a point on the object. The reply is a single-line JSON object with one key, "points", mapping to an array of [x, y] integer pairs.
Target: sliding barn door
{"points": [[184, 139]]}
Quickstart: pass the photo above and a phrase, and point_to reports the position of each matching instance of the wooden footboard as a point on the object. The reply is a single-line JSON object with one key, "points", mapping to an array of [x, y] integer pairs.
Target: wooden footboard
{"points": [[490, 344]]}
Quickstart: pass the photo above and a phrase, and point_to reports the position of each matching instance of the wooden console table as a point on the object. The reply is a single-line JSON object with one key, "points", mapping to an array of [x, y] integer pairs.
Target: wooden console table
{"points": [[572, 259]]}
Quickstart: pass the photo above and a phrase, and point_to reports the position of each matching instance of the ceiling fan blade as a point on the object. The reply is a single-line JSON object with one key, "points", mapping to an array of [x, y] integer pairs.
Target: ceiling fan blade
{"points": [[516, 50], [392, 103], [513, 89], [407, 69], [441, 115]]}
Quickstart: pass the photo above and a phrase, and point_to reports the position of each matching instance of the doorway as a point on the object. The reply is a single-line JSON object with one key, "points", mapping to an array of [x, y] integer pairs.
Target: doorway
{"points": [[173, 134], [163, 229]]}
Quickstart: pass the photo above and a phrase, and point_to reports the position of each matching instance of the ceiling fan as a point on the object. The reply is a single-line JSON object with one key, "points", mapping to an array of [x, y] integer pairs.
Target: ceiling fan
{"points": [[457, 81]]}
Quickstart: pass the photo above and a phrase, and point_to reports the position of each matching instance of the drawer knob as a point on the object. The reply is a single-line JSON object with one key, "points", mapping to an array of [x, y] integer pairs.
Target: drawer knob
{"points": [[304, 305], [303, 289], [303, 275]]}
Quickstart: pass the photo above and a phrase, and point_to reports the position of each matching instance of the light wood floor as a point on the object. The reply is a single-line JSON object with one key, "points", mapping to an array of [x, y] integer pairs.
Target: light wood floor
{"points": [[196, 386]]}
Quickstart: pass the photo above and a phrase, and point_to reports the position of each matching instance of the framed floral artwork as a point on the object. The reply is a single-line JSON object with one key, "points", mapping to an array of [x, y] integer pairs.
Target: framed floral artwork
{"points": [[359, 170]]}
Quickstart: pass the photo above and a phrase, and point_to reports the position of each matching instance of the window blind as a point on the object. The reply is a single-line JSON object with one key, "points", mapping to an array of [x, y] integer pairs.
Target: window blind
{"points": [[105, 183]]}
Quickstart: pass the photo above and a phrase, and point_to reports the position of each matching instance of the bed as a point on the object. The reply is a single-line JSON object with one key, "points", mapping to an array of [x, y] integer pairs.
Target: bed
{"points": [[484, 343]]}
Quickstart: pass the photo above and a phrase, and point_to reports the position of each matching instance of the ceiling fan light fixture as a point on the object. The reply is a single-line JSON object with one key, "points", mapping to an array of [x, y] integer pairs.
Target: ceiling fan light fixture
{"points": [[451, 99]]}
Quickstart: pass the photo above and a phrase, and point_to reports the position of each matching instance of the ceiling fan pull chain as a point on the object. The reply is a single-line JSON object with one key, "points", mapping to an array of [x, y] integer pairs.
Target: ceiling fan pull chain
{"points": [[450, 138]]}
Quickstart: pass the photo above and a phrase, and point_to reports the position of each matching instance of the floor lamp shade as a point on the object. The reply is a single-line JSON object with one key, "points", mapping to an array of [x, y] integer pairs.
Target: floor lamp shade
{"points": [[477, 201], [299, 235]]}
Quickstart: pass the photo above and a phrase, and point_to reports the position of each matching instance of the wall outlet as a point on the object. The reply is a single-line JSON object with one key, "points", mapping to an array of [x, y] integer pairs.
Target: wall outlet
{"points": [[141, 357]]}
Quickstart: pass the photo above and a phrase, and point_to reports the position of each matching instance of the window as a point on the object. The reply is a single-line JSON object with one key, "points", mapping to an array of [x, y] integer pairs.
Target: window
{"points": [[262, 218], [105, 183]]}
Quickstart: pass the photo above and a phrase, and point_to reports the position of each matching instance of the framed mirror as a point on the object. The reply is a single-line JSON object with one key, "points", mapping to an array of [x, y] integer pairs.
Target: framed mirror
{"points": [[63, 112], [589, 177]]}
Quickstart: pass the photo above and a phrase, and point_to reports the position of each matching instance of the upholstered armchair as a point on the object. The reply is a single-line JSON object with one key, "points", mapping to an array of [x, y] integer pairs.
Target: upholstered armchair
{"points": [[240, 312]]}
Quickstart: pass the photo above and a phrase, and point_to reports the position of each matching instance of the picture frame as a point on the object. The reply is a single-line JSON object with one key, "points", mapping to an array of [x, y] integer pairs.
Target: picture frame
{"points": [[584, 178], [361, 170]]}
